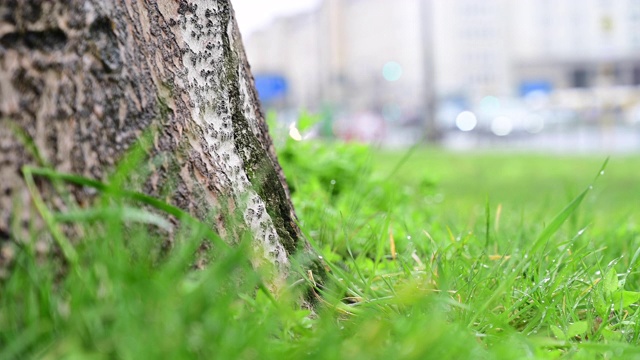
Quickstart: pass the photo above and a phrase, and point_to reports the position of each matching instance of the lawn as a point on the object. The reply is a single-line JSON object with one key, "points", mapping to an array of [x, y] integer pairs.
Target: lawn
{"points": [[431, 254]]}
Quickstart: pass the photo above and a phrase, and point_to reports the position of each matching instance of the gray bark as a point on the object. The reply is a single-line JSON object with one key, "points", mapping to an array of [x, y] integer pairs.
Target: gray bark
{"points": [[85, 78]]}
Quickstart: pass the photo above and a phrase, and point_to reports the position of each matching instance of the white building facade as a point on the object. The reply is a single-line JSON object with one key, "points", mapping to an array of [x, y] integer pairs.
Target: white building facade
{"points": [[397, 57]]}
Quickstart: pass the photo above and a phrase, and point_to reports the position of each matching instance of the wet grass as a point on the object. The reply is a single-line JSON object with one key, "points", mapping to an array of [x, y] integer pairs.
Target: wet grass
{"points": [[448, 256]]}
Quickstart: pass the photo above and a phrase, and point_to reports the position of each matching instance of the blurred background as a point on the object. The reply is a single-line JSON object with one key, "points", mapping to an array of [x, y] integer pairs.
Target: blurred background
{"points": [[544, 75]]}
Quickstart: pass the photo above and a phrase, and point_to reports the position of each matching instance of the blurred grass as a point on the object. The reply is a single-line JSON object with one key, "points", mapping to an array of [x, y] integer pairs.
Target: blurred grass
{"points": [[519, 181], [526, 187], [449, 256]]}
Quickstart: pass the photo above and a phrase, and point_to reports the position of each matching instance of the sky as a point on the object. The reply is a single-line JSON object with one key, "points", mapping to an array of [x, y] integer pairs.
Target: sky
{"points": [[255, 14]]}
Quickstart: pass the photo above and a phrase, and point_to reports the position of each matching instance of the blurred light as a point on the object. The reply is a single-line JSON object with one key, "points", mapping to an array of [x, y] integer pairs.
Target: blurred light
{"points": [[490, 105], [466, 121], [528, 87], [501, 126], [294, 132], [536, 99], [534, 123], [392, 71]]}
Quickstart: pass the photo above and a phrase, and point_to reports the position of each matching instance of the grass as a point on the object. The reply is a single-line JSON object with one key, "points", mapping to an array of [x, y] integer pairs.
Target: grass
{"points": [[449, 256]]}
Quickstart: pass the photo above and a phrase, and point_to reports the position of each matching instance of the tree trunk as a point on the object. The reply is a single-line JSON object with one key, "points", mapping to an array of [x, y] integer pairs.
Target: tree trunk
{"points": [[85, 78]]}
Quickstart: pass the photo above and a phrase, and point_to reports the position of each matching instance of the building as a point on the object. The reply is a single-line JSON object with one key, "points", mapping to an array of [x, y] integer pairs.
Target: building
{"points": [[352, 54], [291, 48], [577, 44], [398, 58], [472, 54]]}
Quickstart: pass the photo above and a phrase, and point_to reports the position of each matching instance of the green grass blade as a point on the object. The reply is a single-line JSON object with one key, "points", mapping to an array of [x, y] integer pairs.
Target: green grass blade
{"points": [[131, 161], [65, 245], [560, 218], [557, 221], [542, 239], [123, 213], [143, 198], [403, 160], [487, 224], [26, 339]]}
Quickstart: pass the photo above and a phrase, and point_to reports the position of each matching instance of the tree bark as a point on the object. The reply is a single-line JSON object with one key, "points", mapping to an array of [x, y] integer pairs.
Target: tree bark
{"points": [[85, 78]]}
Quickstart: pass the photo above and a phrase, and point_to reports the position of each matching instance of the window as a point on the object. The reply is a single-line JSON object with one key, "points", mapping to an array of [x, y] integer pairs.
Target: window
{"points": [[580, 78], [636, 75]]}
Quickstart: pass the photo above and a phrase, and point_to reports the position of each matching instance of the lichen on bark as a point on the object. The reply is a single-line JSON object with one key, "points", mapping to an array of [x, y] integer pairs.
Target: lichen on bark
{"points": [[229, 127]]}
